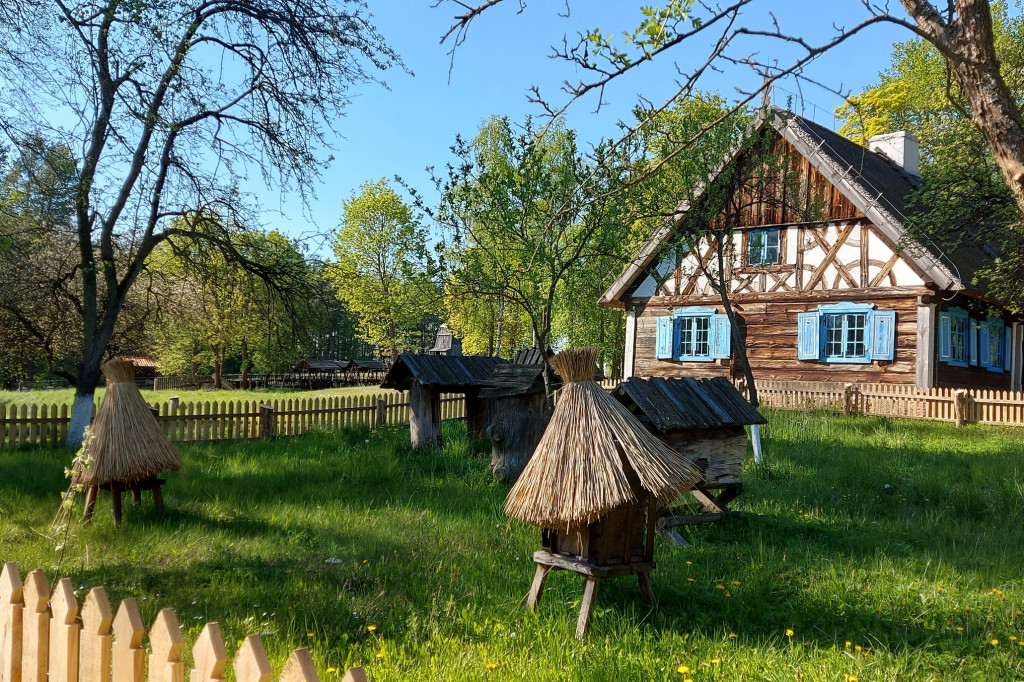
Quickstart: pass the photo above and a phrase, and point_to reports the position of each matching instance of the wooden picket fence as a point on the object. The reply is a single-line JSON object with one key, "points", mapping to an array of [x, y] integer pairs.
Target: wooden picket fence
{"points": [[893, 400], [230, 420], [49, 637]]}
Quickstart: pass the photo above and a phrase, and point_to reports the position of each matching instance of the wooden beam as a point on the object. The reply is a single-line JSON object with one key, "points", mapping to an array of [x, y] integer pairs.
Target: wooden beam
{"points": [[886, 269], [830, 255], [865, 259], [927, 323], [804, 296]]}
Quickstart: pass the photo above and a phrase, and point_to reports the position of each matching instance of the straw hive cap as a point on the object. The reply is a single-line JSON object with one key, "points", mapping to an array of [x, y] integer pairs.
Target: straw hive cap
{"points": [[590, 450], [125, 443]]}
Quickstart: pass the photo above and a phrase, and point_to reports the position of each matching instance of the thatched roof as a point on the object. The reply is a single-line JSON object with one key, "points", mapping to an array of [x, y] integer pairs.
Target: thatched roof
{"points": [[125, 443], [591, 448]]}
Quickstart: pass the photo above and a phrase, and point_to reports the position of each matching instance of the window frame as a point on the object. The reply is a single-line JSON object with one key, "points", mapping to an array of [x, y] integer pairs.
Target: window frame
{"points": [[669, 335], [879, 333], [762, 262], [846, 311]]}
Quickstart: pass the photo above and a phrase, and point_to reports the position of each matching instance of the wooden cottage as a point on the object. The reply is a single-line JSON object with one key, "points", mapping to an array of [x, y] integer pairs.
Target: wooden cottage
{"points": [[845, 296], [702, 419], [426, 377]]}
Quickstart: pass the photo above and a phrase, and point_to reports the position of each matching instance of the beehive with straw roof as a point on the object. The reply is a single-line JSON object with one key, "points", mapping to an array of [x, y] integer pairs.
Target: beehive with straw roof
{"points": [[125, 443], [594, 484]]}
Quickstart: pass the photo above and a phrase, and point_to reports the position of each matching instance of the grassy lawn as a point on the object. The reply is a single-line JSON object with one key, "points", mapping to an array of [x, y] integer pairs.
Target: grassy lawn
{"points": [[872, 548], [65, 396]]}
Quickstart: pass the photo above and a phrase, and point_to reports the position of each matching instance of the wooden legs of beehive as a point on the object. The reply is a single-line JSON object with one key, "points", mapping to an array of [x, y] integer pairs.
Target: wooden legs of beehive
{"points": [[644, 578], [587, 607], [537, 588]]}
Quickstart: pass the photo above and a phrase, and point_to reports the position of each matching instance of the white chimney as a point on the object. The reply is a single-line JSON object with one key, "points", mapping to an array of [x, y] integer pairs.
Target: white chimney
{"points": [[901, 147]]}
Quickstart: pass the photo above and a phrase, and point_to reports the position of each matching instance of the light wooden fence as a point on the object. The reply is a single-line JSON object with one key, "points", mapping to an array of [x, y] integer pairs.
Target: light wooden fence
{"points": [[230, 420], [49, 637], [889, 400]]}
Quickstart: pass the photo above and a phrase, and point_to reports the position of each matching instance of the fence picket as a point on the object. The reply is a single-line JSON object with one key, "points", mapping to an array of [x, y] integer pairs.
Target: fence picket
{"points": [[12, 609], [35, 633], [166, 644], [128, 659], [95, 640]]}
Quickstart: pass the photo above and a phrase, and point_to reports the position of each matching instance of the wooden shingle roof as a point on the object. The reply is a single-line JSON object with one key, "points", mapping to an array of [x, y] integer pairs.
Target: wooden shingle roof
{"points": [[688, 403], [444, 372]]}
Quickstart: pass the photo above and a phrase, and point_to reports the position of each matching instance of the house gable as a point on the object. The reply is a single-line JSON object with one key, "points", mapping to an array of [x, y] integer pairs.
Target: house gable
{"points": [[871, 248]]}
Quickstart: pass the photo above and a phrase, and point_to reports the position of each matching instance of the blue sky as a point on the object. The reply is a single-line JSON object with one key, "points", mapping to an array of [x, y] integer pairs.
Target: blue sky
{"points": [[403, 129]]}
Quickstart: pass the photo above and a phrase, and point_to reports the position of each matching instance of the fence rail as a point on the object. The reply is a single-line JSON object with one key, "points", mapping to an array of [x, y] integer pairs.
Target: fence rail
{"points": [[889, 400], [46, 635], [230, 420]]}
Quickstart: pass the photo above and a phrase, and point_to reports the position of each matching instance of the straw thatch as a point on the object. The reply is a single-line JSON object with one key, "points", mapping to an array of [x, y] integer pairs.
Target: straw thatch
{"points": [[591, 448], [125, 443]]}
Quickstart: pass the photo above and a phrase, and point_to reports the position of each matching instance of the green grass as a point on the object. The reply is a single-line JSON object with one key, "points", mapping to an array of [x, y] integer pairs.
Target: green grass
{"points": [[65, 396], [903, 538]]}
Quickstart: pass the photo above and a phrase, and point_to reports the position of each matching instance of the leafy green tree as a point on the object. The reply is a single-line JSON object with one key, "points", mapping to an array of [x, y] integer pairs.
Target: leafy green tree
{"points": [[381, 274], [522, 209], [174, 104], [963, 199]]}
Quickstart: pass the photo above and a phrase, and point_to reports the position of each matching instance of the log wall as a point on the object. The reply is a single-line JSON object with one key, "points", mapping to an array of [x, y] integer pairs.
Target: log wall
{"points": [[770, 329]]}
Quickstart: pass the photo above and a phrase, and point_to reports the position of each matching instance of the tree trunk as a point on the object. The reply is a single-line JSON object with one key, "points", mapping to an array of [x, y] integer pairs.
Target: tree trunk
{"points": [[515, 431], [218, 368], [244, 381]]}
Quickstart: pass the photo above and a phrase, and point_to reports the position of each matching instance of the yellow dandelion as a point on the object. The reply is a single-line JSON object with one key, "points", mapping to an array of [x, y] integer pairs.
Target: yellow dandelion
{"points": [[959, 628], [848, 644], [1013, 638], [715, 661], [967, 608], [858, 648], [682, 669], [380, 654], [727, 594], [309, 634], [688, 679], [719, 586], [732, 635], [994, 642], [492, 666], [1020, 613], [850, 678], [689, 580], [689, 563], [371, 628], [735, 582], [332, 669], [366, 561], [938, 589], [789, 632]]}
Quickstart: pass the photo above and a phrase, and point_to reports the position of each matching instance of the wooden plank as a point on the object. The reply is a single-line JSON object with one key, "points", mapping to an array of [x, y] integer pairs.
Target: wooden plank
{"points": [[128, 659], [35, 640], [251, 663], [65, 633], [166, 644], [209, 656], [12, 608], [300, 668], [94, 663]]}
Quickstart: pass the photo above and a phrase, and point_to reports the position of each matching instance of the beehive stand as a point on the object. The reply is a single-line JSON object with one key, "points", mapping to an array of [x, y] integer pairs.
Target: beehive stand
{"points": [[619, 543], [135, 488]]}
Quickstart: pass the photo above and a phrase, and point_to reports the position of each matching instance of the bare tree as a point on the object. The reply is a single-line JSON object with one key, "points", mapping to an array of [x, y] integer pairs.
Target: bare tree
{"points": [[170, 106], [961, 30]]}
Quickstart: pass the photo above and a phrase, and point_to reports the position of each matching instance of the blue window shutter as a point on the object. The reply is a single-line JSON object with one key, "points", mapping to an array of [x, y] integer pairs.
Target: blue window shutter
{"points": [[721, 336], [1007, 347], [663, 340], [972, 341], [883, 334], [983, 347], [807, 338], [945, 336]]}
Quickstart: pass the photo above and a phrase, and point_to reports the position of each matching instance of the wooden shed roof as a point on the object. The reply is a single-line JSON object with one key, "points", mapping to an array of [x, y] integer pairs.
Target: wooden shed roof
{"points": [[321, 365], [688, 403], [444, 372], [515, 379]]}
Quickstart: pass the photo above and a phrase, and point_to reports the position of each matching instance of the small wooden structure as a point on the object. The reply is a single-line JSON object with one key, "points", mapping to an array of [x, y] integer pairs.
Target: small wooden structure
{"points": [[446, 342], [426, 377], [702, 419], [315, 374], [593, 485], [518, 399]]}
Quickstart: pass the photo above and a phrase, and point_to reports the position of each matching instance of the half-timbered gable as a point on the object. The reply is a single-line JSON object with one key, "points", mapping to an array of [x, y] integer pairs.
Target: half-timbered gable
{"points": [[825, 282]]}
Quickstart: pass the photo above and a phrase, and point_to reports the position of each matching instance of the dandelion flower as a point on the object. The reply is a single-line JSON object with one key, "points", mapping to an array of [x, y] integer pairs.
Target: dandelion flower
{"points": [[371, 628], [715, 661], [849, 678], [682, 669], [994, 642], [380, 654], [309, 634], [735, 582], [689, 580], [689, 563], [491, 666], [848, 644], [732, 635], [1020, 613], [1013, 638], [858, 648], [789, 632], [719, 586], [959, 629]]}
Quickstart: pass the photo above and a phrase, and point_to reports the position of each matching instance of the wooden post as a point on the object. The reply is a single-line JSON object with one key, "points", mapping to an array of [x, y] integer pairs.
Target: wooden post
{"points": [[424, 416], [380, 416], [35, 633], [166, 641], [209, 655], [300, 668], [11, 612], [961, 401], [477, 413], [516, 428], [925, 351], [94, 657], [128, 659], [64, 633], [268, 425], [251, 664], [848, 400], [587, 607]]}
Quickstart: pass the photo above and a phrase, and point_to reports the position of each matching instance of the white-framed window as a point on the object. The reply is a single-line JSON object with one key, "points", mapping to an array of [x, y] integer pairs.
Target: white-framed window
{"points": [[846, 332], [763, 246], [693, 335]]}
